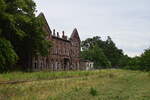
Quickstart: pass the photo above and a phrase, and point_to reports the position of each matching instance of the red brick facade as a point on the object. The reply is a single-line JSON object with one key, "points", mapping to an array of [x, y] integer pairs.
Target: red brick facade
{"points": [[64, 54]]}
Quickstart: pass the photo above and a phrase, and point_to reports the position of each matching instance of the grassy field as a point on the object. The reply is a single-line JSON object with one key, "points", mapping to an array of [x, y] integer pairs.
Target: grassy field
{"points": [[80, 85]]}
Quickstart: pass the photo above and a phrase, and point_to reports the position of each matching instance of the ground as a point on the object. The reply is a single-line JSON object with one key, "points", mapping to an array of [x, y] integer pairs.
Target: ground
{"points": [[79, 85]]}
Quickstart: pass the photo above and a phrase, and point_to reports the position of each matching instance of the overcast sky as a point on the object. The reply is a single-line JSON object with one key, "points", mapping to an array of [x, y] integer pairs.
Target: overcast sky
{"points": [[126, 21]]}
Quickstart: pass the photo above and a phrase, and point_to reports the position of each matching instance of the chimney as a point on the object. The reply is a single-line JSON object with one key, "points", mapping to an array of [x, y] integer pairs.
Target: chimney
{"points": [[65, 37], [54, 32], [58, 34], [63, 33]]}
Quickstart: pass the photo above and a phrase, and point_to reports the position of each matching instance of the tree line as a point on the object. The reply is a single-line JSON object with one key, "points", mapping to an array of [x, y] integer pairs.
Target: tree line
{"points": [[141, 62], [105, 54]]}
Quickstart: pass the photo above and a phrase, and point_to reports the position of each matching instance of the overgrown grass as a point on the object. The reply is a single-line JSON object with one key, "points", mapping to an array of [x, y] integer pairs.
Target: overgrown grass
{"points": [[15, 76], [81, 85]]}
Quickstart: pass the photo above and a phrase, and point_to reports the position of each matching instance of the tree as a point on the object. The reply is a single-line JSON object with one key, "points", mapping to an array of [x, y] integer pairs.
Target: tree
{"points": [[145, 60], [124, 61], [91, 51], [112, 52], [91, 42], [96, 55], [7, 55], [22, 29], [140, 62], [99, 58]]}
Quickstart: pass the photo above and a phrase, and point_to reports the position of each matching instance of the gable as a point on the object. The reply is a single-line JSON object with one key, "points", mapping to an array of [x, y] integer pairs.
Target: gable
{"points": [[75, 35], [46, 26]]}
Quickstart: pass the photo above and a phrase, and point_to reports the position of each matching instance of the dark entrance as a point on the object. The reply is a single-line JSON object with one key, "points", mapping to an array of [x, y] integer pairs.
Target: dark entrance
{"points": [[66, 63]]}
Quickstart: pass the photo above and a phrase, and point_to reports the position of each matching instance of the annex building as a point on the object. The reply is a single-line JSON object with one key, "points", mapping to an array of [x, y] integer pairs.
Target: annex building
{"points": [[64, 54]]}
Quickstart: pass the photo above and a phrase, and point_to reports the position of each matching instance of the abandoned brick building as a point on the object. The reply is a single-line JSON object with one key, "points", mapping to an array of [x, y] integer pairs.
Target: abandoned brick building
{"points": [[64, 54]]}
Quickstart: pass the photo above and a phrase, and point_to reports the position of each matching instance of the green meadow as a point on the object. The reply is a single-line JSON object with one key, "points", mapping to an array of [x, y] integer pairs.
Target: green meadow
{"points": [[77, 85]]}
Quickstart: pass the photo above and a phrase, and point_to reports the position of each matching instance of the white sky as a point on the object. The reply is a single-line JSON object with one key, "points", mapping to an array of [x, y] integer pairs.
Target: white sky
{"points": [[126, 21]]}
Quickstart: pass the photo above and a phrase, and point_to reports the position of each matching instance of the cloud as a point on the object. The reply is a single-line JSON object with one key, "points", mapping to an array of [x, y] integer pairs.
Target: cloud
{"points": [[126, 21]]}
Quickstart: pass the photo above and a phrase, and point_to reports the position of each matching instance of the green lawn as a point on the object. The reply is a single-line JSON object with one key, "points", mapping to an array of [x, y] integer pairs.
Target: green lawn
{"points": [[80, 85]]}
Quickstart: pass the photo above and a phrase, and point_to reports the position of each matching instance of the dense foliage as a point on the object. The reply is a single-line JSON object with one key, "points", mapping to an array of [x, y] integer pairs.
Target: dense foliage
{"points": [[105, 54], [140, 62], [21, 33], [7, 55], [96, 55]]}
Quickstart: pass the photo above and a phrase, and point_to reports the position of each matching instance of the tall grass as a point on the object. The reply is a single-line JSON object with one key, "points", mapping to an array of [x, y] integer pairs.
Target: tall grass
{"points": [[15, 76], [79, 85]]}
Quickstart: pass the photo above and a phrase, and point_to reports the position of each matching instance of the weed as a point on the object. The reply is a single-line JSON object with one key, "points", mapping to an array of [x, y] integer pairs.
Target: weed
{"points": [[77, 89], [93, 91]]}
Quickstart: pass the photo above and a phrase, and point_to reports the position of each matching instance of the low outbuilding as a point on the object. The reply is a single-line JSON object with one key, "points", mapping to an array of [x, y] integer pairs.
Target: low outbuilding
{"points": [[86, 65]]}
